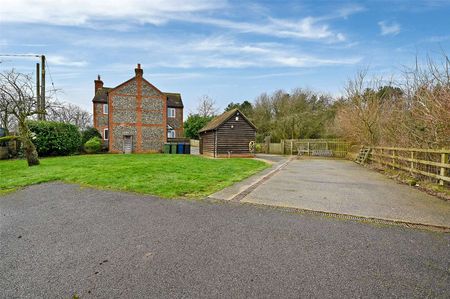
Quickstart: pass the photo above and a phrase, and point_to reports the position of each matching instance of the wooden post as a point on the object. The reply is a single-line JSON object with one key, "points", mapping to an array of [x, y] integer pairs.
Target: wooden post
{"points": [[42, 95], [412, 162], [38, 91], [393, 159], [309, 154], [444, 159], [292, 147], [282, 146]]}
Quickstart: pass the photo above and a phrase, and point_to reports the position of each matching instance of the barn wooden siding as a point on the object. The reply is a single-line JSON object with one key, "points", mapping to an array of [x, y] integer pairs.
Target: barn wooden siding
{"points": [[231, 138], [207, 143]]}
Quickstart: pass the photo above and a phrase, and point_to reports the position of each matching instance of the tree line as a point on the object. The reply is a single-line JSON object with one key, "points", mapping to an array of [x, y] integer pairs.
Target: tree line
{"points": [[411, 111]]}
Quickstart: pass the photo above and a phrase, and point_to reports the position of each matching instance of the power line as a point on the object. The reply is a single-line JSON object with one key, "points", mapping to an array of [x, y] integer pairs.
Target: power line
{"points": [[51, 80], [20, 55]]}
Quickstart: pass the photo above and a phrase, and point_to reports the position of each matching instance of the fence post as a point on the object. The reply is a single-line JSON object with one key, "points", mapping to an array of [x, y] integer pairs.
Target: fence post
{"points": [[393, 159], [292, 147], [412, 162], [444, 159], [282, 146], [309, 154]]}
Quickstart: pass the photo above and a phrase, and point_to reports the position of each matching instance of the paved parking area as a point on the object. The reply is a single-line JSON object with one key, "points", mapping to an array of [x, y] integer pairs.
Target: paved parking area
{"points": [[343, 187], [57, 240]]}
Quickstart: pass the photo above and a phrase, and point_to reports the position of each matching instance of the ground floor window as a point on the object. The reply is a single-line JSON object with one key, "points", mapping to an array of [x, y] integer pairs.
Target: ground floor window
{"points": [[105, 134], [170, 133]]}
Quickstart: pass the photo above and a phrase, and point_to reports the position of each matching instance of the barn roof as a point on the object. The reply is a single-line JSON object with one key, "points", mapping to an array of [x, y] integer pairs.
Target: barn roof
{"points": [[174, 100], [219, 120], [101, 96]]}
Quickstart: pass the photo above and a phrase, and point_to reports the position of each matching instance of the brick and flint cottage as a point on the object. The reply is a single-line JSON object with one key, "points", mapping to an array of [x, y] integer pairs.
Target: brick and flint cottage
{"points": [[135, 116]]}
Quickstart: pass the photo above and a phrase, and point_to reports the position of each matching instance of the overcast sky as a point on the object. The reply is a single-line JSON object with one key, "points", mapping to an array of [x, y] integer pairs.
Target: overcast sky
{"points": [[229, 50]]}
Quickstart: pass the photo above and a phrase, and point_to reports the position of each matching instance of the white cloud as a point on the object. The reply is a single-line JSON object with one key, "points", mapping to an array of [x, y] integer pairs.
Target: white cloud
{"points": [[387, 28], [305, 28], [85, 12], [64, 61], [219, 52], [123, 15]]}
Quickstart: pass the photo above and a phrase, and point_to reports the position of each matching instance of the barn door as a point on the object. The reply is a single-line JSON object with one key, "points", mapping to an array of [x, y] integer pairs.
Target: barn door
{"points": [[127, 144]]}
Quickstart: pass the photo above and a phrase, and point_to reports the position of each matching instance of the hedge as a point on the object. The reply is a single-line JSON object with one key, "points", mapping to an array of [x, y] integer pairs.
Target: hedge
{"points": [[88, 134], [55, 138]]}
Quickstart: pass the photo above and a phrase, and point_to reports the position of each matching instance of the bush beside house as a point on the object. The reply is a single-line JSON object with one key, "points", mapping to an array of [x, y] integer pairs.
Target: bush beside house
{"points": [[88, 134], [93, 145], [55, 138]]}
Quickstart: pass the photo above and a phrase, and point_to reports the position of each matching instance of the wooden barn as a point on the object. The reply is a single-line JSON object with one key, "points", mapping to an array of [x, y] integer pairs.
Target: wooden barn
{"points": [[228, 135]]}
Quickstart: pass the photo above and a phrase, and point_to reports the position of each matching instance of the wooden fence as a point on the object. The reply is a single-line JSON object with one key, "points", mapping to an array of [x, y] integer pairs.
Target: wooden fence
{"points": [[316, 147], [428, 163], [195, 142], [309, 147]]}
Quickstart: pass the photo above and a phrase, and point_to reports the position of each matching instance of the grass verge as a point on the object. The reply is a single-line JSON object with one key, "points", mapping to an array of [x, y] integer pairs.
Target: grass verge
{"points": [[155, 174]]}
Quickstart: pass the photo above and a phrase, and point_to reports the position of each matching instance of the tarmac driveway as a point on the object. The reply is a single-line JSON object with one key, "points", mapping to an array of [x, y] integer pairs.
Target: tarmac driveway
{"points": [[58, 240], [343, 187]]}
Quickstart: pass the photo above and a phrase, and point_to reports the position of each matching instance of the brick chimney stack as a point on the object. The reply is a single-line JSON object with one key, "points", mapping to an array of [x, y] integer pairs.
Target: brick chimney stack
{"points": [[98, 84], [139, 72]]}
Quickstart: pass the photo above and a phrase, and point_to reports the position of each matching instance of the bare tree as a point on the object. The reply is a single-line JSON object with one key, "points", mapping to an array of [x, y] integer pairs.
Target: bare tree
{"points": [[414, 113], [6, 118], [17, 94], [69, 113], [207, 106], [360, 116]]}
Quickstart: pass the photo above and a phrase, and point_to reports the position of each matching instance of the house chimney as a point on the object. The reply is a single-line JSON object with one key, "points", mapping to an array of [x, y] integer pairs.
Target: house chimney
{"points": [[98, 84], [139, 72]]}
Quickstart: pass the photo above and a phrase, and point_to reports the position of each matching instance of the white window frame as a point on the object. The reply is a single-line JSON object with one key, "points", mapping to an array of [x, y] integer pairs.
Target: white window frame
{"points": [[171, 112], [171, 132], [104, 134], [105, 108]]}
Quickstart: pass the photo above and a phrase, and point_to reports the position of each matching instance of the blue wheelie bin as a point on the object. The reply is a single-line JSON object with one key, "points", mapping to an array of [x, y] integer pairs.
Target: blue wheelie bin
{"points": [[180, 148]]}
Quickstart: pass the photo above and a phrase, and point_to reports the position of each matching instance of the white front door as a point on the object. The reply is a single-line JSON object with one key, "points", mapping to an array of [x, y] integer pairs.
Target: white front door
{"points": [[127, 144]]}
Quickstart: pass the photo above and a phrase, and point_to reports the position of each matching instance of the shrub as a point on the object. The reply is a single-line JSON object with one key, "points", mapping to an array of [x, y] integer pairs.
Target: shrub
{"points": [[93, 145], [55, 138], [89, 133]]}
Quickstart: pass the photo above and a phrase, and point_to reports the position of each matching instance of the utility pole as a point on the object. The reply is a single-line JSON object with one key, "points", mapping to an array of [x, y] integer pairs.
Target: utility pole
{"points": [[38, 90], [42, 100]]}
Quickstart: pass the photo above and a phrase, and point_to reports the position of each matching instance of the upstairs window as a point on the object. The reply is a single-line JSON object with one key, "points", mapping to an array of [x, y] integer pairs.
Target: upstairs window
{"points": [[105, 108], [171, 112]]}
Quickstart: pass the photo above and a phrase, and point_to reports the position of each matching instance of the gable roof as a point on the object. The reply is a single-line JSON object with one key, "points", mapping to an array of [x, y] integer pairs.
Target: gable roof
{"points": [[101, 95], [174, 100], [219, 120]]}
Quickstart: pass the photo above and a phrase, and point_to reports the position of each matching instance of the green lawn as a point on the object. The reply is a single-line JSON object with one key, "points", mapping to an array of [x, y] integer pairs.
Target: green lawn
{"points": [[156, 174]]}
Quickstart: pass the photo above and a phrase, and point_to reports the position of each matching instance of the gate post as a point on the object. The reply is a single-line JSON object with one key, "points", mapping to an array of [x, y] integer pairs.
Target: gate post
{"points": [[444, 159]]}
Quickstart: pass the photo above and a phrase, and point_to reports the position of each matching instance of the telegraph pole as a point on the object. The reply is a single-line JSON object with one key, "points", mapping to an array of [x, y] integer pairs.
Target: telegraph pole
{"points": [[38, 90], [42, 97]]}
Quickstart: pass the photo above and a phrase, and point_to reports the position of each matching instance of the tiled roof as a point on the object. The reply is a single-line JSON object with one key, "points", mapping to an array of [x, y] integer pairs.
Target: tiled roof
{"points": [[101, 96], [174, 100], [219, 120]]}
